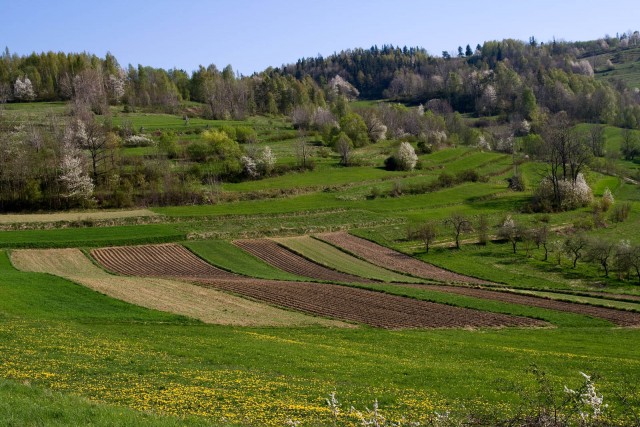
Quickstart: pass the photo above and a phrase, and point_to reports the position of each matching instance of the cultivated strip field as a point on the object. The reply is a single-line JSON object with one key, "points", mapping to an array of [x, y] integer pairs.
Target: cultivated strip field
{"points": [[619, 317], [388, 258], [325, 254], [340, 302], [274, 254], [372, 308], [206, 304], [157, 260], [74, 216]]}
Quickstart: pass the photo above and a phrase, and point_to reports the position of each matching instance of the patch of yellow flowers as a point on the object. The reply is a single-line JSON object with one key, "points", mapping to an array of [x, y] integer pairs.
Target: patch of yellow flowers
{"points": [[103, 370]]}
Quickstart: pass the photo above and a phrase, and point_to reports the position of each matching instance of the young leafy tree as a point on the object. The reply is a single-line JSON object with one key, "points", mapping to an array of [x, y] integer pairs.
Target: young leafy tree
{"points": [[427, 232], [483, 230], [343, 146], [460, 224]]}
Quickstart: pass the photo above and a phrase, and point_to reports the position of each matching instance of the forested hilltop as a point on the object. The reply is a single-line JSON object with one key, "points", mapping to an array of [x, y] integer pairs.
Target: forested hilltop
{"points": [[91, 148]]}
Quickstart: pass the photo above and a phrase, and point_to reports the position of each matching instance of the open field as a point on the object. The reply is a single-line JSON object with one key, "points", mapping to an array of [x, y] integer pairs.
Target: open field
{"points": [[207, 305]]}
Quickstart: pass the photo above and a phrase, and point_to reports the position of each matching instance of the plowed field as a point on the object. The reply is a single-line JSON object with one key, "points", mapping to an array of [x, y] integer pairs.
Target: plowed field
{"points": [[339, 302], [371, 308], [157, 260], [274, 254], [393, 260]]}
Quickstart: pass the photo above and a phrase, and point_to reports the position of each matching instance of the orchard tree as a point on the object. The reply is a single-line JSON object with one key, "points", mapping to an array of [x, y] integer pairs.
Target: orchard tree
{"points": [[460, 224], [575, 246], [601, 251]]}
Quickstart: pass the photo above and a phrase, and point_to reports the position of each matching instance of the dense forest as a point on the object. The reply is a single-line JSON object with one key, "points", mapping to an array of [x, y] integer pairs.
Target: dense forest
{"points": [[512, 89]]}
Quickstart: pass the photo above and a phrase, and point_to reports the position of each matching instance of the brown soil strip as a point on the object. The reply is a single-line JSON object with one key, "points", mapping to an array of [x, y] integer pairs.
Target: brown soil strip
{"points": [[157, 260], [394, 260], [274, 254]]}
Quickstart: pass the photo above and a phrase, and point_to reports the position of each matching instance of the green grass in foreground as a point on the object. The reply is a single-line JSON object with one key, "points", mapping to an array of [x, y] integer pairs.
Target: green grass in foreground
{"points": [[26, 405], [229, 257], [73, 340]]}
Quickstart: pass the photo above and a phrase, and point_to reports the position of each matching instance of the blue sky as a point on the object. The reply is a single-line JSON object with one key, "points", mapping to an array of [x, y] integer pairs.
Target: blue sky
{"points": [[252, 35]]}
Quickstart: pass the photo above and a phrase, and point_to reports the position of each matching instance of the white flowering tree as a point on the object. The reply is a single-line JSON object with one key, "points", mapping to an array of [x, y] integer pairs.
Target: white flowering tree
{"points": [[249, 167], [23, 89], [73, 174], [266, 161], [406, 157]]}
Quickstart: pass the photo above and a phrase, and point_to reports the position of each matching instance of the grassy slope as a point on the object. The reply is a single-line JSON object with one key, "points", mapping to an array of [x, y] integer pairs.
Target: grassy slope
{"points": [[27, 405], [65, 337]]}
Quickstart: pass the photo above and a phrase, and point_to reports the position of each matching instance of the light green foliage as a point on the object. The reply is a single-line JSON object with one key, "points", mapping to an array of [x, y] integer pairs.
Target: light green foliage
{"points": [[354, 126]]}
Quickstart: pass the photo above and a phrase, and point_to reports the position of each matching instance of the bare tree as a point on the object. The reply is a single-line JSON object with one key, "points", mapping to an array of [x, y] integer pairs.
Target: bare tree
{"points": [[541, 238], [304, 153], [601, 252], [575, 246], [460, 224], [565, 152]]}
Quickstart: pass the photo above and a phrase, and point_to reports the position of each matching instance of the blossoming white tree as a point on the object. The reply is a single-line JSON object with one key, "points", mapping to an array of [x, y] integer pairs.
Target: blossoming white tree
{"points": [[73, 175], [23, 89], [406, 158]]}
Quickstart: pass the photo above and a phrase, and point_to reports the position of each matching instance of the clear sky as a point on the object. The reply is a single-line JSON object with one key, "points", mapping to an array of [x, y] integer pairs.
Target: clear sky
{"points": [[252, 35]]}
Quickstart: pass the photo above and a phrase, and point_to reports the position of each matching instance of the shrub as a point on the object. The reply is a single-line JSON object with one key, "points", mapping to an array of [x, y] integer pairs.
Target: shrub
{"points": [[621, 212]]}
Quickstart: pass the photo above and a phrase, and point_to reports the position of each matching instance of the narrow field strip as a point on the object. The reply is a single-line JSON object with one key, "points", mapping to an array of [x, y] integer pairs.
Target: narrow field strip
{"points": [[329, 256], [274, 254], [74, 216], [582, 299], [205, 304], [339, 302], [394, 260], [618, 317]]}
